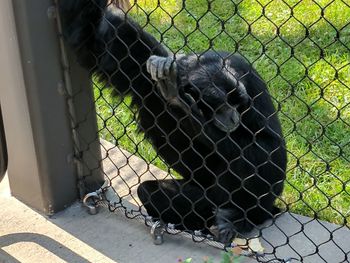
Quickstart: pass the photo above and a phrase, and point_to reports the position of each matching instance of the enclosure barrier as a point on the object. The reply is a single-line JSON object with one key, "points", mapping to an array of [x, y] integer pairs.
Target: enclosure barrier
{"points": [[299, 48], [41, 170]]}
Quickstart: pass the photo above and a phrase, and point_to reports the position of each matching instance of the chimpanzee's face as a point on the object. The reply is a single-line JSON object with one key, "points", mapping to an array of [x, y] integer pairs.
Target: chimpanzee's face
{"points": [[212, 89]]}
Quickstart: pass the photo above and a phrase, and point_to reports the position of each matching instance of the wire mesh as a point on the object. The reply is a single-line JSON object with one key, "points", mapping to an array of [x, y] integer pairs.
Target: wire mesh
{"points": [[203, 128]]}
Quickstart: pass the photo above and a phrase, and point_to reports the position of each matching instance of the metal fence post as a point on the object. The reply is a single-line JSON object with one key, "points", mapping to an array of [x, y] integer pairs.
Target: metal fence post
{"points": [[39, 136]]}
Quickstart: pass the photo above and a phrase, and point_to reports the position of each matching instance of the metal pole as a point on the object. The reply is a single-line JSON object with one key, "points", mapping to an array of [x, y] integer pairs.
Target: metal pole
{"points": [[38, 132]]}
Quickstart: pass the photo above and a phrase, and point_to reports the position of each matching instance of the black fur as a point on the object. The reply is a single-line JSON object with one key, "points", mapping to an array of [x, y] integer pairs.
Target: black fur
{"points": [[230, 179]]}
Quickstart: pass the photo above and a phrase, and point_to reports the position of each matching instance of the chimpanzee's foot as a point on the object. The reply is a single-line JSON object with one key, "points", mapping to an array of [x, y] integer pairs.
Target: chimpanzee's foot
{"points": [[230, 223]]}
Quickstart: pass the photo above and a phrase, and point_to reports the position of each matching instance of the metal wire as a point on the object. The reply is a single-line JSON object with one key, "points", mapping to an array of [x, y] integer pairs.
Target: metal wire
{"points": [[302, 54], [100, 199]]}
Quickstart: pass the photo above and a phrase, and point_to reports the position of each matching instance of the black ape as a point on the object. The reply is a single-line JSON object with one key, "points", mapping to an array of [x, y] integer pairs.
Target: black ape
{"points": [[209, 116]]}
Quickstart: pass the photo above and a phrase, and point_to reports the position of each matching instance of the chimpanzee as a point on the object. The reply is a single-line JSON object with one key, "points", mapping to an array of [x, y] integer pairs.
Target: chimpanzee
{"points": [[208, 115]]}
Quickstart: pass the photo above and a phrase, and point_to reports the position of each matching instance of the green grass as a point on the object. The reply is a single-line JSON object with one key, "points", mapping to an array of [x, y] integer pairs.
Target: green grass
{"points": [[303, 60]]}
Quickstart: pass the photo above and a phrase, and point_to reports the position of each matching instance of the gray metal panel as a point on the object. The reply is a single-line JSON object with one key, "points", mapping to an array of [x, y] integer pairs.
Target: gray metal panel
{"points": [[36, 120], [23, 169]]}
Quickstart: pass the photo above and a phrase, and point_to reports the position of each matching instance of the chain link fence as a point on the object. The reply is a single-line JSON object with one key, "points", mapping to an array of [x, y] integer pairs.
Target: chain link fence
{"points": [[197, 128]]}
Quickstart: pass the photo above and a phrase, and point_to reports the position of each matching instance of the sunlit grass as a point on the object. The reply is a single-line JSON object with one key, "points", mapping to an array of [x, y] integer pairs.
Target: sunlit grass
{"points": [[304, 58]]}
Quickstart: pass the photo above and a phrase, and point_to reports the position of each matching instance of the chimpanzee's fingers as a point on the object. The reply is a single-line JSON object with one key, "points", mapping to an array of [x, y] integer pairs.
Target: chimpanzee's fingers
{"points": [[160, 68]]}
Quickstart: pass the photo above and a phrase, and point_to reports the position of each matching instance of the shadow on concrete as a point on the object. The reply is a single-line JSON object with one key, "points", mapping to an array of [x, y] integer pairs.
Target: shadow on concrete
{"points": [[48, 243], [6, 257]]}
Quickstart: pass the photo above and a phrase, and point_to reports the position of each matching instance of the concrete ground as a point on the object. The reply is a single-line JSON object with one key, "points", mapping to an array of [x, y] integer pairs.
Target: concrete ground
{"points": [[75, 236]]}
